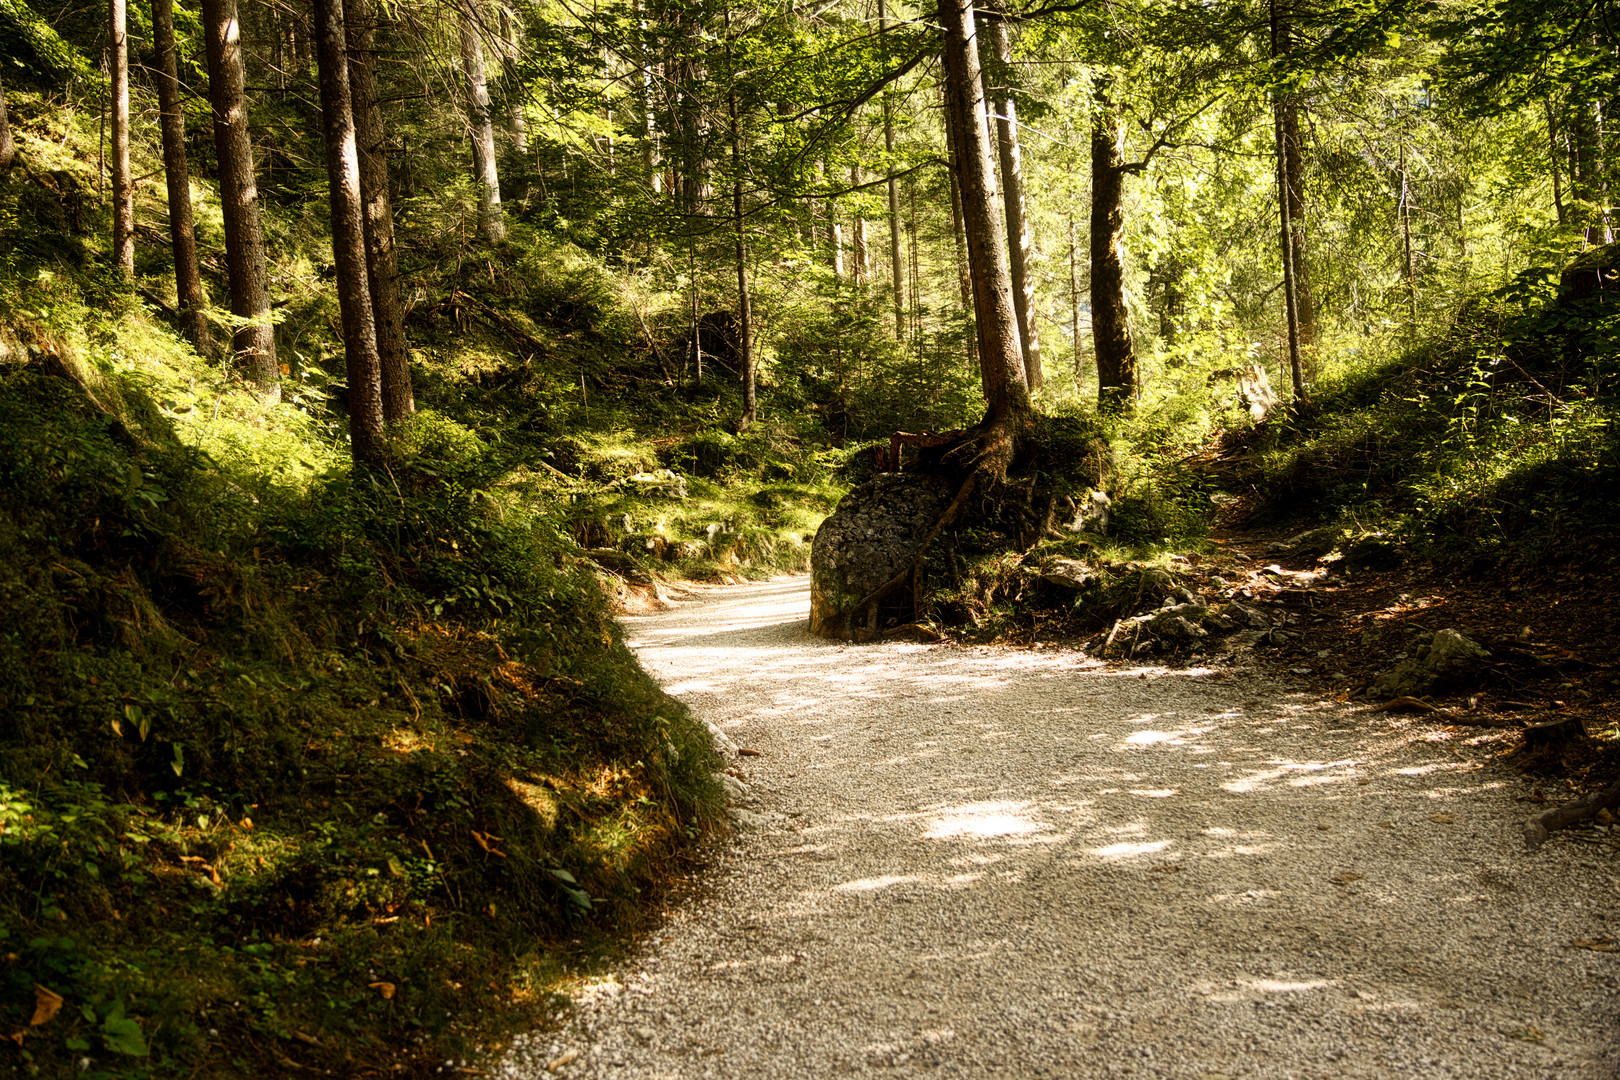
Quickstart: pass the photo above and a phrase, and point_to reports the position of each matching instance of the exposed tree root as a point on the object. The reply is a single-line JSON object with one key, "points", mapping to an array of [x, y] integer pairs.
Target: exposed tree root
{"points": [[1540, 827], [990, 451]]}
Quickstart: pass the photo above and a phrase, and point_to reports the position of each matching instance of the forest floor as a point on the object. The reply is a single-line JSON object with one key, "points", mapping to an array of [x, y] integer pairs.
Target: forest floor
{"points": [[1019, 862]]}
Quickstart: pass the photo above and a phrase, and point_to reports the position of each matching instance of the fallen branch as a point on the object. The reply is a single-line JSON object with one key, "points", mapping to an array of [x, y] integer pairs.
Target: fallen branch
{"points": [[1540, 827], [499, 321]]}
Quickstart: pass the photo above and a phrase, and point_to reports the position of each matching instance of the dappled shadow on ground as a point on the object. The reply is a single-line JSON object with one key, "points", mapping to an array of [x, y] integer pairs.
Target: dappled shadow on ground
{"points": [[1030, 863]]}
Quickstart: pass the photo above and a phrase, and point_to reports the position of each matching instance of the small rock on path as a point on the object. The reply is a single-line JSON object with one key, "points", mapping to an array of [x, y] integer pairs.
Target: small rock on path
{"points": [[1029, 864]]}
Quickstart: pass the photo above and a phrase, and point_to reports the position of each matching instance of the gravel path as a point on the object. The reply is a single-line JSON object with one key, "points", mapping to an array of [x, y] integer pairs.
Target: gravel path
{"points": [[984, 862]]}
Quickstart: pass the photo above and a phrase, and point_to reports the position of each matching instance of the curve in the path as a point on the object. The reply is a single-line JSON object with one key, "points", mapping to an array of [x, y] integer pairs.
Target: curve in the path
{"points": [[982, 862]]}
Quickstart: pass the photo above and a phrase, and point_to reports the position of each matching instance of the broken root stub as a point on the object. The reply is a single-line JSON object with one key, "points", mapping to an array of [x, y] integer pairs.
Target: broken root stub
{"points": [[1552, 739], [1540, 827]]}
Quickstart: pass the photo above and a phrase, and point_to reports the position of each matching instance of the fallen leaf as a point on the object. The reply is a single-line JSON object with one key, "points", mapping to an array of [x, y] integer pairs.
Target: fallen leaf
{"points": [[561, 1060], [1443, 819], [1601, 944], [384, 989], [47, 1003], [1344, 879]]}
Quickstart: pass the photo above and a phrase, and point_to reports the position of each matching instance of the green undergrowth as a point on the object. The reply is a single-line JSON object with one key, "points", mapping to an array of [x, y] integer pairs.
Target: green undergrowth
{"points": [[292, 765], [302, 768], [983, 582], [1495, 439]]}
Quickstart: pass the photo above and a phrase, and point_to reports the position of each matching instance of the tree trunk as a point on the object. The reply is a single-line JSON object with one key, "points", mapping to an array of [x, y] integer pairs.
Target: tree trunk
{"points": [[953, 154], [515, 119], [916, 263], [649, 119], [1404, 209], [490, 220], [745, 320], [687, 74], [861, 269], [835, 242], [1001, 362], [382, 257], [8, 149], [896, 265], [1557, 173], [123, 186], [361, 361], [1286, 239], [1304, 299], [1281, 43], [1021, 243], [192, 302], [1110, 318], [254, 342], [1604, 171], [1074, 299]]}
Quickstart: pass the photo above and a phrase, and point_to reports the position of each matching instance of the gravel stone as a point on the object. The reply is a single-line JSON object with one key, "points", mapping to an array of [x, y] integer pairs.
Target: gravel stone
{"points": [[1027, 863]]}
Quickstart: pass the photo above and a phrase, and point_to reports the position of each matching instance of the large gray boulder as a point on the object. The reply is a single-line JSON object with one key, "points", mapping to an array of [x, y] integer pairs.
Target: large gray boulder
{"points": [[873, 535], [1448, 660]]}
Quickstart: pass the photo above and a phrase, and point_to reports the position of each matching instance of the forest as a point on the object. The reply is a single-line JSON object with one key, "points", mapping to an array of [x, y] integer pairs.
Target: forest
{"points": [[363, 362]]}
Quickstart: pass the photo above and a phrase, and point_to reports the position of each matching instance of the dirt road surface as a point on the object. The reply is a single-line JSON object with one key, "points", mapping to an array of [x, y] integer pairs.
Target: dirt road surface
{"points": [[981, 862]]}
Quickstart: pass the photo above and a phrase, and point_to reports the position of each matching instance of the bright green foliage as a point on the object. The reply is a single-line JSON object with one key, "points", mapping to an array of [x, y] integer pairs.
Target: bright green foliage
{"points": [[35, 50], [1495, 440]]}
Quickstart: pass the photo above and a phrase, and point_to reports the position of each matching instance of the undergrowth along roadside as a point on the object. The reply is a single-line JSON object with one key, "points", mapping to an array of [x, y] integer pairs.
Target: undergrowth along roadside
{"points": [[292, 769], [1493, 440]]}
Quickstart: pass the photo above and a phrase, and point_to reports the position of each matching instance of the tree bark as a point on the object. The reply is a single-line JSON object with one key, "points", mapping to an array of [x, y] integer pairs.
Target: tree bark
{"points": [[490, 220], [123, 187], [861, 268], [192, 301], [745, 316], [896, 265], [254, 342], [382, 258], [687, 74], [1110, 318], [1020, 241], [1286, 238], [515, 120], [8, 149], [649, 117], [745, 320], [1304, 299], [361, 361], [1281, 42], [1557, 173], [1001, 362], [1404, 209], [1074, 299], [953, 154]]}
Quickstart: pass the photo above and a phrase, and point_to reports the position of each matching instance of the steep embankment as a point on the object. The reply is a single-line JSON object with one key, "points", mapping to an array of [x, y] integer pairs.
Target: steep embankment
{"points": [[1030, 863]]}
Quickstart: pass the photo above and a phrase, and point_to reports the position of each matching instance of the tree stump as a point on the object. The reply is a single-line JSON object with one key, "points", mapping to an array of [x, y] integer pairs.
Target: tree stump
{"points": [[1553, 739]]}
